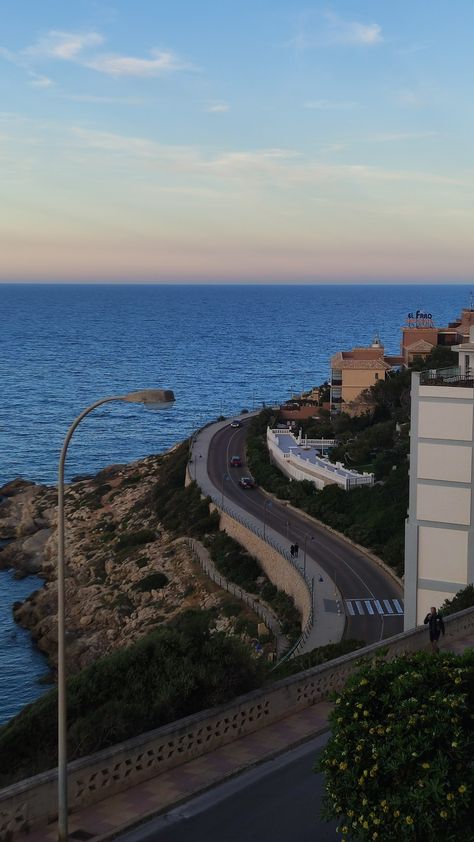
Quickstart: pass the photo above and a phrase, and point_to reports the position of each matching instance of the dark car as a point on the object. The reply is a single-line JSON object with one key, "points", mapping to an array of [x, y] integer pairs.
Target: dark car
{"points": [[236, 424], [235, 462], [247, 482]]}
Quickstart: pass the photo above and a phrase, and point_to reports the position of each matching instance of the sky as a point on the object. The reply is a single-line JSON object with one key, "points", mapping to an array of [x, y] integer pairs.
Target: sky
{"points": [[252, 141]]}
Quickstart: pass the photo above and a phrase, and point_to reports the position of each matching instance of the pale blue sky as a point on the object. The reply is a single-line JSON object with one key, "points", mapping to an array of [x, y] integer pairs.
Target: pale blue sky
{"points": [[242, 141]]}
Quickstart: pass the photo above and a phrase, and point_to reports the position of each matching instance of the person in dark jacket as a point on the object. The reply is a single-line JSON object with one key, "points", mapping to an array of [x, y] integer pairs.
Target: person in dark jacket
{"points": [[436, 626]]}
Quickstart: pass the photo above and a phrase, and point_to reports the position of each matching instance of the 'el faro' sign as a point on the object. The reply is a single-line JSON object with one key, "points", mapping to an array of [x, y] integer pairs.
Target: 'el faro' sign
{"points": [[420, 319]]}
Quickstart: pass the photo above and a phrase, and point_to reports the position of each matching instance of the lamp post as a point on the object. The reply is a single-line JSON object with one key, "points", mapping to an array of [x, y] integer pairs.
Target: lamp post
{"points": [[154, 398], [304, 554], [266, 503]]}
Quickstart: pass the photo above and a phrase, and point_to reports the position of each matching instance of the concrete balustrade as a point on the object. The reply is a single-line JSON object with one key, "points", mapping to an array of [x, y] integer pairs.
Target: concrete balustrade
{"points": [[32, 803]]}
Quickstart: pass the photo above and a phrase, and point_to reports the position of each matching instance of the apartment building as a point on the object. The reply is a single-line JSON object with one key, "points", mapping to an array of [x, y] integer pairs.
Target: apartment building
{"points": [[439, 545], [354, 371]]}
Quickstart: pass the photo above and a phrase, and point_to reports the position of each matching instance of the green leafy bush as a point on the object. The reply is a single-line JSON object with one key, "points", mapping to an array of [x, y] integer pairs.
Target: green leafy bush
{"points": [[399, 762], [316, 656], [135, 539], [463, 599], [173, 672]]}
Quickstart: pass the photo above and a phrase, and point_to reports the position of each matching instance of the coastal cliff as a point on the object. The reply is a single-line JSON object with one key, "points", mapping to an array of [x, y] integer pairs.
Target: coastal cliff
{"points": [[125, 575]]}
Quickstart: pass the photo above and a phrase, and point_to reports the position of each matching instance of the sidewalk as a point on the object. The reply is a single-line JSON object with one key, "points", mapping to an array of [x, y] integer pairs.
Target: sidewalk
{"points": [[113, 816], [119, 813]]}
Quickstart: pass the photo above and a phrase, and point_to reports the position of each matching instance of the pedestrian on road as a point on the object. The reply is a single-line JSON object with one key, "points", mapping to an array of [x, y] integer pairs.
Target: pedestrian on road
{"points": [[292, 551], [436, 626], [296, 550]]}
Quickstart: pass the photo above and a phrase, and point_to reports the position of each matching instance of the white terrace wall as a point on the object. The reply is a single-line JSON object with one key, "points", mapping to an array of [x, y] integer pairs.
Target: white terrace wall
{"points": [[33, 802]]}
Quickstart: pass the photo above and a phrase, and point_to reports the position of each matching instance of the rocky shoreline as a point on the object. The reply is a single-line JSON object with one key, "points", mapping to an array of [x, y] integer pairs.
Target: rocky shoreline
{"points": [[124, 575]]}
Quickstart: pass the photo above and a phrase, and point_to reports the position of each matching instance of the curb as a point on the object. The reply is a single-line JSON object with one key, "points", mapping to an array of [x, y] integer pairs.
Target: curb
{"points": [[359, 547], [147, 817]]}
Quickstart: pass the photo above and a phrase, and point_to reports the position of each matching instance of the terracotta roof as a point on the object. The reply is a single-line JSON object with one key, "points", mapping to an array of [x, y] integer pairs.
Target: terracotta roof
{"points": [[421, 347], [341, 362]]}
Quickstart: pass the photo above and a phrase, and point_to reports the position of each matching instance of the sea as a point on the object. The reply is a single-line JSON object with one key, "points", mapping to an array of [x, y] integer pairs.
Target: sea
{"points": [[221, 348]]}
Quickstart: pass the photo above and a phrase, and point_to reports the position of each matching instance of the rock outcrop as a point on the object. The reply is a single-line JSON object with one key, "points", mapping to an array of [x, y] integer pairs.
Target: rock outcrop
{"points": [[124, 577]]}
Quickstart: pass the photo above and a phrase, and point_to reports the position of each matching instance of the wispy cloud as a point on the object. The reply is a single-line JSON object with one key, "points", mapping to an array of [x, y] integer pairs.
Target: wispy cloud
{"points": [[328, 105], [328, 29], [63, 45], [409, 99], [353, 32], [38, 81], [116, 65], [82, 48], [217, 108]]}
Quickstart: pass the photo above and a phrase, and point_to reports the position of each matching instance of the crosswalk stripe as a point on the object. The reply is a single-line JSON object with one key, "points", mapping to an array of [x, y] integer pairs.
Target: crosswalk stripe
{"points": [[359, 607]]}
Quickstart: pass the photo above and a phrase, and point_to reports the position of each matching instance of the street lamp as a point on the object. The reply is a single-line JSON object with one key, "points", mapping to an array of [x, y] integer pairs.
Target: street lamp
{"points": [[304, 555], [266, 503], [155, 399]]}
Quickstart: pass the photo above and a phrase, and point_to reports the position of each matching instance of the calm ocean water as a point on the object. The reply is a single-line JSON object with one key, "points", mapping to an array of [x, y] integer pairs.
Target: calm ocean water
{"points": [[220, 348]]}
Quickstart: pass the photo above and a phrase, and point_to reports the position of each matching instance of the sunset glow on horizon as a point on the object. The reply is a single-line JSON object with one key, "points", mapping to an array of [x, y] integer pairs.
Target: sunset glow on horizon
{"points": [[236, 142]]}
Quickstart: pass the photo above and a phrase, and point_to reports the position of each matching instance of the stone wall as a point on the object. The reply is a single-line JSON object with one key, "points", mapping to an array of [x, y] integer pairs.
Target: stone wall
{"points": [[278, 569], [32, 803]]}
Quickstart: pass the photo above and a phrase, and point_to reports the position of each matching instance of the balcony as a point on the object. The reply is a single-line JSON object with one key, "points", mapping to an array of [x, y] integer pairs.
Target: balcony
{"points": [[447, 377]]}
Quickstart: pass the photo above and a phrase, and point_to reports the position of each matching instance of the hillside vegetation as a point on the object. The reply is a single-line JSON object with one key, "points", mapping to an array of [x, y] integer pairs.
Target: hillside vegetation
{"points": [[376, 441]]}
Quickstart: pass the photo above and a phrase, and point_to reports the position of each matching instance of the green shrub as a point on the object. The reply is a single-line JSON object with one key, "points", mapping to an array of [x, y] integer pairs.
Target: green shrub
{"points": [[398, 764], [312, 659], [463, 599], [173, 672], [154, 582], [135, 539]]}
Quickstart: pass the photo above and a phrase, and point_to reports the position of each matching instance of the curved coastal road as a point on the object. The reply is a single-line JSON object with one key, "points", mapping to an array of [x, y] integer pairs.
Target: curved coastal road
{"points": [[365, 587]]}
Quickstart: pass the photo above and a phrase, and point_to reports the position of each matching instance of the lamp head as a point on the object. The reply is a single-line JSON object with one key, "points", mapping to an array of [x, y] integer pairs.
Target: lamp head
{"points": [[152, 398]]}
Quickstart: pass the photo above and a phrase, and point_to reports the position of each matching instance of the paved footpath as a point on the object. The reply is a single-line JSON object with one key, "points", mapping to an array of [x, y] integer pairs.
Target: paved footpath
{"points": [[113, 816]]}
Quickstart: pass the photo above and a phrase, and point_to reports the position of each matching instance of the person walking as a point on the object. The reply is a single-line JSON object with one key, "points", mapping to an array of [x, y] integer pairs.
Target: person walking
{"points": [[292, 551], [296, 550], [436, 625]]}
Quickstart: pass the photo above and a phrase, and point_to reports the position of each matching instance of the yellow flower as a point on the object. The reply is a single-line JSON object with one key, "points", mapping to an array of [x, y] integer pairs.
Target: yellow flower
{"points": [[454, 745], [396, 813], [462, 789], [443, 814], [425, 765], [366, 712], [365, 825], [458, 680], [374, 835], [343, 766], [408, 819], [449, 796], [362, 682]]}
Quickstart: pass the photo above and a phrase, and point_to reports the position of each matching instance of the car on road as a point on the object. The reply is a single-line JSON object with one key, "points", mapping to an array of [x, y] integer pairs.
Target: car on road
{"points": [[236, 424], [247, 482], [235, 462]]}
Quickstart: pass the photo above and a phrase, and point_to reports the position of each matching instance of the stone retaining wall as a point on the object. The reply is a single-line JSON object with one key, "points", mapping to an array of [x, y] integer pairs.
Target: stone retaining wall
{"points": [[280, 572], [33, 802]]}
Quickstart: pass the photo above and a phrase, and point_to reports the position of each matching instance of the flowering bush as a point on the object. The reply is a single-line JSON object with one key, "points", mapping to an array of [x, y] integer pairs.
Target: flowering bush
{"points": [[399, 764]]}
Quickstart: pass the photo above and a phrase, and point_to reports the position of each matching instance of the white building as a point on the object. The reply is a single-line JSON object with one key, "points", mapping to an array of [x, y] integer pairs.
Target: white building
{"points": [[439, 545], [300, 459]]}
